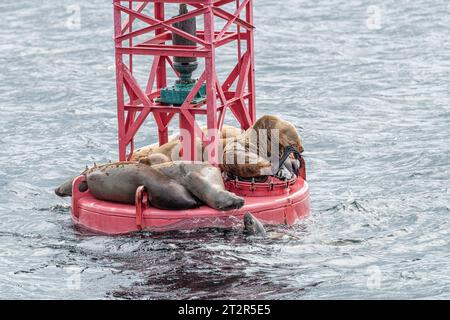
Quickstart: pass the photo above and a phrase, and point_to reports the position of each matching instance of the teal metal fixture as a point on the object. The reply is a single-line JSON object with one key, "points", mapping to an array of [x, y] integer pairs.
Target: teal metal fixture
{"points": [[185, 66]]}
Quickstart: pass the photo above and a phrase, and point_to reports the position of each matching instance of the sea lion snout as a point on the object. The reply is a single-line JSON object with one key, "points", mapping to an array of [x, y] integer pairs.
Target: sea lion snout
{"points": [[65, 190], [253, 226], [248, 222]]}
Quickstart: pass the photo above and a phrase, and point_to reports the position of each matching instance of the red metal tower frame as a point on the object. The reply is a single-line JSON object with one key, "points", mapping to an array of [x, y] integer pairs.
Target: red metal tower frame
{"points": [[219, 96]]}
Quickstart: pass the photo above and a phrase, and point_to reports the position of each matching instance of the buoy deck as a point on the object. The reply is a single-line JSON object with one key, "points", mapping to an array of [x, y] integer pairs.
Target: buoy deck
{"points": [[115, 218]]}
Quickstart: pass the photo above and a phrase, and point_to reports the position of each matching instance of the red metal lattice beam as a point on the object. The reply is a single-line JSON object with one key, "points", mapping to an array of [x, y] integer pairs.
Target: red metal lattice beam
{"points": [[131, 115], [155, 23]]}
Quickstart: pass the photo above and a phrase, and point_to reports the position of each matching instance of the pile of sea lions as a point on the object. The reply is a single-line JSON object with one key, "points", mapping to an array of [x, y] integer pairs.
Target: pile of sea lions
{"points": [[173, 184]]}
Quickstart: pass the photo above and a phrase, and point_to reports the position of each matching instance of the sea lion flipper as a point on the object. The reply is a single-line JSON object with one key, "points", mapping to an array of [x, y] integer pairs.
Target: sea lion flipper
{"points": [[218, 199], [65, 190], [167, 193]]}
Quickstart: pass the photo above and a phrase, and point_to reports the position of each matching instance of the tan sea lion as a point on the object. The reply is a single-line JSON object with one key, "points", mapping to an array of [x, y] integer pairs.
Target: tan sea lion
{"points": [[165, 149], [145, 151], [204, 181], [251, 153], [118, 182], [171, 149], [229, 132], [288, 135], [239, 160]]}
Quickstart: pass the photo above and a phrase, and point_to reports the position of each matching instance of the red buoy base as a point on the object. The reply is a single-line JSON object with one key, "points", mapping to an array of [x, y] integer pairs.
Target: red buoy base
{"points": [[115, 218]]}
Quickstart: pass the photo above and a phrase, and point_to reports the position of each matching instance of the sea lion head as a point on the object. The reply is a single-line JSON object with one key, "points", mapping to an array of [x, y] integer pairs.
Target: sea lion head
{"points": [[253, 226], [283, 130]]}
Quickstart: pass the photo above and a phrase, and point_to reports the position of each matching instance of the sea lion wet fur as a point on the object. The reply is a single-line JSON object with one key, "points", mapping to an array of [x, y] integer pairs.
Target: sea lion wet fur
{"points": [[204, 181], [117, 182], [246, 157]]}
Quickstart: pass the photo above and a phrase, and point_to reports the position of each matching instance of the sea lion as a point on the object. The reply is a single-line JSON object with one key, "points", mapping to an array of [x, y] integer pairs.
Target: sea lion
{"points": [[204, 181], [252, 153], [175, 154], [239, 160], [145, 151], [117, 182], [254, 227], [289, 168], [287, 133], [65, 190], [229, 132], [165, 149], [171, 149], [292, 164]]}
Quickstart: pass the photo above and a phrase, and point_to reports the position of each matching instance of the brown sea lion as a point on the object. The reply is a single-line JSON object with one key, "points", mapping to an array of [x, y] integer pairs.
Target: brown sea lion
{"points": [[288, 135], [117, 182], [252, 153], [239, 160], [145, 151]]}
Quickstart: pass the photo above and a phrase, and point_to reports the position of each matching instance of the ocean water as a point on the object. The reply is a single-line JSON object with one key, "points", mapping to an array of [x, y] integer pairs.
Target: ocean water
{"points": [[365, 82]]}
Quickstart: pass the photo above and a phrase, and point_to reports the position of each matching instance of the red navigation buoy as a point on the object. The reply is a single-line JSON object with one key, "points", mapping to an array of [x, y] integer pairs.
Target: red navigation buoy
{"points": [[141, 28]]}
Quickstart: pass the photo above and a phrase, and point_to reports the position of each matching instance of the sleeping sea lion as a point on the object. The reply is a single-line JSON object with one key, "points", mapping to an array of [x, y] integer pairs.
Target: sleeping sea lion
{"points": [[147, 150], [117, 182], [204, 181], [254, 227], [171, 149]]}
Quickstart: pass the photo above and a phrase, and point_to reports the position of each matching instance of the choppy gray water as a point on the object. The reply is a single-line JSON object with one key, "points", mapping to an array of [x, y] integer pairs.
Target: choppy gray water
{"points": [[370, 95]]}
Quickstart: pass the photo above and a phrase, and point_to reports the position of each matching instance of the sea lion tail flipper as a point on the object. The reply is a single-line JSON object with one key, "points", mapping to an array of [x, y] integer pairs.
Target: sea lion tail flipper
{"points": [[65, 190], [229, 200]]}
